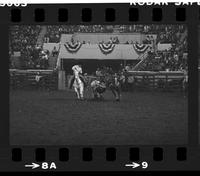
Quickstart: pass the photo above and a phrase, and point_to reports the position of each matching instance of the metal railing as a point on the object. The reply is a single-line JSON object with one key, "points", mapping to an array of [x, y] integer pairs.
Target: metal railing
{"points": [[142, 58]]}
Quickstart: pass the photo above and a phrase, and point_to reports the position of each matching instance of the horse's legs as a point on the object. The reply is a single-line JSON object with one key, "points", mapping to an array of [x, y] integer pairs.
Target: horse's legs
{"points": [[77, 92], [119, 92], [81, 91], [117, 96], [116, 93], [95, 94], [113, 91], [101, 96]]}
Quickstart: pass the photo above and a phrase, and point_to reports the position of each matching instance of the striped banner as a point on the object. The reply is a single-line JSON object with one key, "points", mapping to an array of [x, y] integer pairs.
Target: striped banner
{"points": [[140, 48], [73, 47], [106, 48]]}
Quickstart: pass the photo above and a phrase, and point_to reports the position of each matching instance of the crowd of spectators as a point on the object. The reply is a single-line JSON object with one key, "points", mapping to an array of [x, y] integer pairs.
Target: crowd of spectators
{"points": [[165, 33], [23, 39], [37, 58], [54, 31], [53, 34], [172, 60]]}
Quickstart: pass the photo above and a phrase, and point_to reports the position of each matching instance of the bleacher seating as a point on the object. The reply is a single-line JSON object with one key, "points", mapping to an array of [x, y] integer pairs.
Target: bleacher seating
{"points": [[166, 33], [172, 60], [24, 38]]}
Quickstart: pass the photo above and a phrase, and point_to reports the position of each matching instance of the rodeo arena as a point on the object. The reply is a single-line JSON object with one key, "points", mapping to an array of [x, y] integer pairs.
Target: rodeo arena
{"points": [[98, 84]]}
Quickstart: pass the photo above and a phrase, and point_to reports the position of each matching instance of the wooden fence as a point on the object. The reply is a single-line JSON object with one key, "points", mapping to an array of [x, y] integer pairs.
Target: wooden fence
{"points": [[26, 79], [148, 80], [158, 80]]}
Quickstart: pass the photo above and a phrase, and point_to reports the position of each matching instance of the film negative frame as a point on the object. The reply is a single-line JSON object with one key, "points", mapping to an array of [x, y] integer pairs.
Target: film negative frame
{"points": [[102, 158]]}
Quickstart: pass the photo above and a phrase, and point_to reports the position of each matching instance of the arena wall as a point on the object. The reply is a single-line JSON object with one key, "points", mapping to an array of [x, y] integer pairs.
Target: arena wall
{"points": [[65, 38], [89, 51], [94, 38]]}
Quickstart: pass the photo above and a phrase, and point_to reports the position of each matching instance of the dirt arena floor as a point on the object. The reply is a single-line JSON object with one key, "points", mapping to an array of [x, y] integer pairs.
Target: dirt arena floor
{"points": [[57, 118]]}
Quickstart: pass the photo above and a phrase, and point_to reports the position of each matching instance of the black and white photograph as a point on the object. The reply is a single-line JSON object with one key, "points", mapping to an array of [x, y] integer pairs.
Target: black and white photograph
{"points": [[98, 84]]}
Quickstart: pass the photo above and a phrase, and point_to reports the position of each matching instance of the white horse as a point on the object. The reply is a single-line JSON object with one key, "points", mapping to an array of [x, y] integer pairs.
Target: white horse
{"points": [[78, 87], [78, 83]]}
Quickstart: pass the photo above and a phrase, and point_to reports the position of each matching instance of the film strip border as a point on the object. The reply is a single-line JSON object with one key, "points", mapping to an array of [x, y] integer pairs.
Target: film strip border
{"points": [[91, 13], [110, 154], [111, 158], [87, 15], [100, 158]]}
